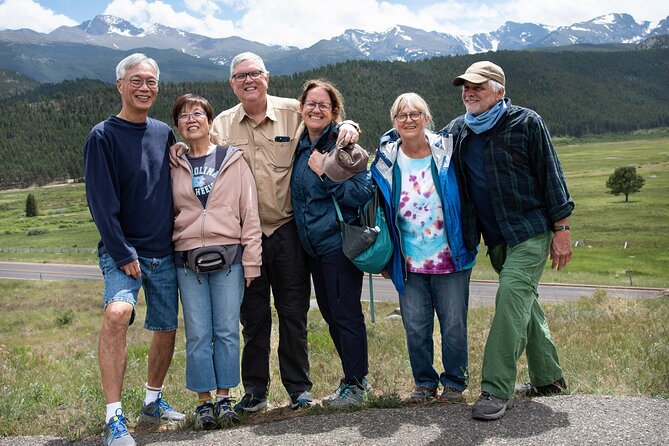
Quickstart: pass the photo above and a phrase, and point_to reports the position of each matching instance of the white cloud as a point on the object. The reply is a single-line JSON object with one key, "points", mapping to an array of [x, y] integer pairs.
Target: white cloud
{"points": [[143, 13], [17, 14], [304, 22]]}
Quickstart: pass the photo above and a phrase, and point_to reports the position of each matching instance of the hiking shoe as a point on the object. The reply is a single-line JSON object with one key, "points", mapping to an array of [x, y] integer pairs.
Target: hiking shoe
{"points": [[334, 395], [451, 395], [349, 395], [160, 411], [529, 391], [422, 394], [489, 407], [226, 414], [205, 416], [116, 431], [301, 400], [250, 403]]}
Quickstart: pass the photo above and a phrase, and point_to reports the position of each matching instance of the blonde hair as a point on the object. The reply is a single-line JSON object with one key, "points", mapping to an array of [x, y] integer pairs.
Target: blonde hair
{"points": [[415, 102]]}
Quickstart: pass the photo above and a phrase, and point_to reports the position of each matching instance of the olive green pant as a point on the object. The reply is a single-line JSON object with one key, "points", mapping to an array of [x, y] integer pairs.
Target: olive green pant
{"points": [[519, 322]]}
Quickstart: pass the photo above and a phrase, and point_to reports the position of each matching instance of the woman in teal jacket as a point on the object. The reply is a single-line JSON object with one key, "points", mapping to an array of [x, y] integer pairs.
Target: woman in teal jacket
{"points": [[430, 266], [337, 282]]}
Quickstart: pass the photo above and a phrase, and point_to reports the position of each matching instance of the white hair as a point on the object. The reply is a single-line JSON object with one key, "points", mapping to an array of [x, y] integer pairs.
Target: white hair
{"points": [[132, 61], [241, 57]]}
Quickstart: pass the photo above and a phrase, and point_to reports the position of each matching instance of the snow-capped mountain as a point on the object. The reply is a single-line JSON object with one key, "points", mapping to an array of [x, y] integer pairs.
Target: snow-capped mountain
{"points": [[400, 43]]}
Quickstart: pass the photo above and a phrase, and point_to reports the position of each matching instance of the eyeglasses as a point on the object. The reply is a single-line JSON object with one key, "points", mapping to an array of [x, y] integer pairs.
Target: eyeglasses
{"points": [[322, 106], [185, 117], [241, 77], [402, 117], [137, 82]]}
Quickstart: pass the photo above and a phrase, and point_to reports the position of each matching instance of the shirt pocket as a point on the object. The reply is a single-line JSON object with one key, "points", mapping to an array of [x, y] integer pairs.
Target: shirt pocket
{"points": [[282, 153]]}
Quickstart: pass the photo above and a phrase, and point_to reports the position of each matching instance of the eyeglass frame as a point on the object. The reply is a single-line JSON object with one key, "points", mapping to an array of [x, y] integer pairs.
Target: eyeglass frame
{"points": [[408, 116], [322, 106], [252, 74], [197, 114], [134, 80]]}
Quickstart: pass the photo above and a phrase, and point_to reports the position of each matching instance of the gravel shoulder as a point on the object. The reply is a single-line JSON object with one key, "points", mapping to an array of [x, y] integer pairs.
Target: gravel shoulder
{"points": [[559, 420]]}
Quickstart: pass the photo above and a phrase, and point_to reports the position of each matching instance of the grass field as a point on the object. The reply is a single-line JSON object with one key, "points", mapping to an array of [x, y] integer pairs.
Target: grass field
{"points": [[49, 372], [613, 236]]}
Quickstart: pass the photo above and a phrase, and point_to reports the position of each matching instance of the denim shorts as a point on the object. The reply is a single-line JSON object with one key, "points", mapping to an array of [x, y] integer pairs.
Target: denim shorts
{"points": [[159, 280]]}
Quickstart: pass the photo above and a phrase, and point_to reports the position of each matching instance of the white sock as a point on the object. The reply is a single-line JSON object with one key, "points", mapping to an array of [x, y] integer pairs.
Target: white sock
{"points": [[112, 408], [152, 394]]}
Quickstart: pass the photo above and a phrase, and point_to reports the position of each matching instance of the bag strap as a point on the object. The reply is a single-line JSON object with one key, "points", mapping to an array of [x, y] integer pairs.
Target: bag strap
{"points": [[334, 200]]}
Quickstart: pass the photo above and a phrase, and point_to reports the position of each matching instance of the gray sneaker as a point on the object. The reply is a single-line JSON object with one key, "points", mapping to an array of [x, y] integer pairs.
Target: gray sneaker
{"points": [[489, 407], [334, 395], [349, 395], [226, 414], [115, 433], [160, 411], [301, 400], [205, 416]]}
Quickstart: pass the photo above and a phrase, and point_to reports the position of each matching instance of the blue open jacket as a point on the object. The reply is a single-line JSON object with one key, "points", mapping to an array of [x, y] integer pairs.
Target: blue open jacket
{"points": [[386, 174], [314, 211]]}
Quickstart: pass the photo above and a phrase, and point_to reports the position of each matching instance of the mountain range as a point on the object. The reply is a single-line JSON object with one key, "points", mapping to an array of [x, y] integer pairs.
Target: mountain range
{"points": [[92, 49]]}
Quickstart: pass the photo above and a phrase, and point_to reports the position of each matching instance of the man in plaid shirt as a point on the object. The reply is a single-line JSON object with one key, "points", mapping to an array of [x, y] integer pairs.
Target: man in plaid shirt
{"points": [[515, 196]]}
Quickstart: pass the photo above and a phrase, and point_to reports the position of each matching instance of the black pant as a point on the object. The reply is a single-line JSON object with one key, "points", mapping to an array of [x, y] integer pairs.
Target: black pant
{"points": [[338, 285], [284, 270]]}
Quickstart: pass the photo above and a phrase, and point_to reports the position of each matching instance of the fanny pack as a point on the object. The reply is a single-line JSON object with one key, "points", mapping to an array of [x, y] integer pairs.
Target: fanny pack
{"points": [[210, 258]]}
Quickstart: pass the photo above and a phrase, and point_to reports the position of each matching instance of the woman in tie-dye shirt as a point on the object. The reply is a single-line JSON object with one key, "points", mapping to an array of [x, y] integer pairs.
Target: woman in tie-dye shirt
{"points": [[430, 267]]}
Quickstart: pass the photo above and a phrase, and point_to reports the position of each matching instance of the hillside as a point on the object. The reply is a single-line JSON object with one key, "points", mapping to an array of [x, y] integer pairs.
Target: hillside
{"points": [[13, 83], [578, 93]]}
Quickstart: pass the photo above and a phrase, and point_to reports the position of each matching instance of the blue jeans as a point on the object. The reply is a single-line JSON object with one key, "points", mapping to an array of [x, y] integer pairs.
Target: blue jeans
{"points": [[211, 303], [160, 290], [448, 296]]}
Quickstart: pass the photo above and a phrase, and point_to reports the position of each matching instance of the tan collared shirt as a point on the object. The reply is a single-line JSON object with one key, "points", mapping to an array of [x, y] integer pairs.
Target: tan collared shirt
{"points": [[269, 150]]}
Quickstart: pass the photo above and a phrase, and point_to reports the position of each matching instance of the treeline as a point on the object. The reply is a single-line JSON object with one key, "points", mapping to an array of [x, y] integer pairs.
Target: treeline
{"points": [[42, 131]]}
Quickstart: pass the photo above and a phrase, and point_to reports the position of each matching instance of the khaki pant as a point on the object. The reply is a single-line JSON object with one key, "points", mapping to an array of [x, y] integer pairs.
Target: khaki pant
{"points": [[519, 322]]}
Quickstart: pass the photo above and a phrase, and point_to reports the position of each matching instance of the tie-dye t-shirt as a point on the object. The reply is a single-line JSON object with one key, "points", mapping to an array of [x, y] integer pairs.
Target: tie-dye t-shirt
{"points": [[421, 219]]}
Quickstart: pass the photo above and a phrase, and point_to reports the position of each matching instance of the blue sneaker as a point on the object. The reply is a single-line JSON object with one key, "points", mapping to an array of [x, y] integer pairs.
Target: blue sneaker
{"points": [[116, 431], [160, 411], [301, 400], [250, 403]]}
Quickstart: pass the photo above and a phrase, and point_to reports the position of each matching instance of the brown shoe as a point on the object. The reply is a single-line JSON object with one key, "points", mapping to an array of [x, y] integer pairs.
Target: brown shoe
{"points": [[422, 394], [451, 395]]}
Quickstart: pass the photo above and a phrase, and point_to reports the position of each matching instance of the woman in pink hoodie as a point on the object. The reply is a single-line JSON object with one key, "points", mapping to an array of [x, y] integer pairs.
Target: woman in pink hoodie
{"points": [[215, 206]]}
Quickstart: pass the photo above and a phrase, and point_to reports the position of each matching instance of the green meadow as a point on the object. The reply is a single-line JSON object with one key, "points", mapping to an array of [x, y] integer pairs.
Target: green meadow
{"points": [[49, 371], [613, 239]]}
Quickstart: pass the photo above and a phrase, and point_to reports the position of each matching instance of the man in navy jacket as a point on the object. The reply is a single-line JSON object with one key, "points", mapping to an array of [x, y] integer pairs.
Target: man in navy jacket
{"points": [[129, 193]]}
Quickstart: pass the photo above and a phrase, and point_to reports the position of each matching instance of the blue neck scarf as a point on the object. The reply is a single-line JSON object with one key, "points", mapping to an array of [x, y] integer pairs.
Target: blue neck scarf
{"points": [[486, 120]]}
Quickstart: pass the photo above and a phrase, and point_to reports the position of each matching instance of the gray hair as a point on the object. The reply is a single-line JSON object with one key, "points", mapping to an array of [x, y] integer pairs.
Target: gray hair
{"points": [[241, 57], [132, 61], [496, 87], [413, 101]]}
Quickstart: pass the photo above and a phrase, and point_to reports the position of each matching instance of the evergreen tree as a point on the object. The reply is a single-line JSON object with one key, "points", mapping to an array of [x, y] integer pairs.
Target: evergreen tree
{"points": [[31, 206], [624, 180]]}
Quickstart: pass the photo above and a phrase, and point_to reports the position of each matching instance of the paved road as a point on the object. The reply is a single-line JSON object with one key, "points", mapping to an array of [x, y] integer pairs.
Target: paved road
{"points": [[481, 292], [560, 420]]}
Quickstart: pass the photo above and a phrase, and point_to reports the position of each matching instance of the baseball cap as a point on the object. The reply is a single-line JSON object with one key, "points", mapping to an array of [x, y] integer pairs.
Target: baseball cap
{"points": [[479, 72]]}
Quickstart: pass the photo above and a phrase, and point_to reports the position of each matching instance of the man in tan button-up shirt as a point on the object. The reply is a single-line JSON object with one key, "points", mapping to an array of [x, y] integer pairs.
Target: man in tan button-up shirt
{"points": [[268, 128]]}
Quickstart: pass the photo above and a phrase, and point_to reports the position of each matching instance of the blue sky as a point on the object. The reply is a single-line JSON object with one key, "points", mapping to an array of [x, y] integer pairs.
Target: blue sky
{"points": [[303, 22]]}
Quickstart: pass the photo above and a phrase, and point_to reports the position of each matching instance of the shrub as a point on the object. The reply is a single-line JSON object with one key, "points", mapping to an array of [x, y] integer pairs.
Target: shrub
{"points": [[31, 206]]}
